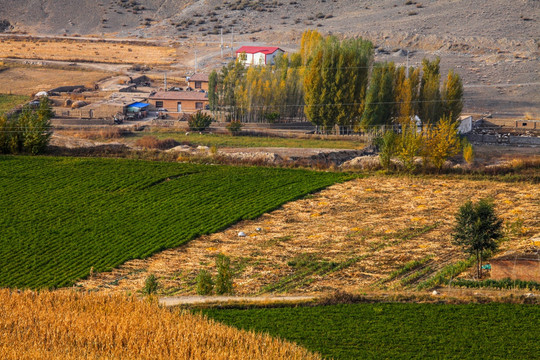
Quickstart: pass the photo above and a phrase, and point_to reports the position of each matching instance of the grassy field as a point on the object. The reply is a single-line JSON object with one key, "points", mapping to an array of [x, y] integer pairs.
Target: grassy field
{"points": [[26, 80], [86, 51], [63, 217], [8, 102], [53, 325], [224, 140], [400, 331]]}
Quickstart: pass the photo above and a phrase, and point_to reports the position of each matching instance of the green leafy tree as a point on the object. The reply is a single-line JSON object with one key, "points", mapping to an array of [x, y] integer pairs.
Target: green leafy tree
{"points": [[477, 229], [452, 96], [388, 146], [212, 91], [379, 107], [199, 121], [430, 107], [205, 284], [224, 283]]}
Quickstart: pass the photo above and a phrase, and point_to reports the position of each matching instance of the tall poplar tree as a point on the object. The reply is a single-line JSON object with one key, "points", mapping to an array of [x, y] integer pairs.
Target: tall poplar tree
{"points": [[430, 106], [452, 96]]}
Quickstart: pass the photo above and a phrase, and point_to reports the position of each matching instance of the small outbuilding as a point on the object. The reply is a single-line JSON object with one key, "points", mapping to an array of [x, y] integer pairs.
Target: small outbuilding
{"points": [[258, 55], [516, 266], [198, 81], [137, 107]]}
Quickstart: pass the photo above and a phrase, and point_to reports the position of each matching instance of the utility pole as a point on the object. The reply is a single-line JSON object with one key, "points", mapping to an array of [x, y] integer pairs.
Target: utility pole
{"points": [[407, 71], [196, 67], [165, 80], [221, 46], [232, 43]]}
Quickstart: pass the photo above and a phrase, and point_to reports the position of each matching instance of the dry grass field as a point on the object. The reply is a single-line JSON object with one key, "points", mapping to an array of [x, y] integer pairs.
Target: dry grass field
{"points": [[85, 51], [90, 326], [348, 237], [27, 80]]}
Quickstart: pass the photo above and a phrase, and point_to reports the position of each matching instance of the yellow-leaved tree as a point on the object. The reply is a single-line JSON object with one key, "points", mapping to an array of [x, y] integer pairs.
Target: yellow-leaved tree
{"points": [[441, 142]]}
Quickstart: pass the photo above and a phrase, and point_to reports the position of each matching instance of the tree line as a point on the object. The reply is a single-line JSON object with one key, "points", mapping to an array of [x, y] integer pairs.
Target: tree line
{"points": [[28, 131], [335, 82]]}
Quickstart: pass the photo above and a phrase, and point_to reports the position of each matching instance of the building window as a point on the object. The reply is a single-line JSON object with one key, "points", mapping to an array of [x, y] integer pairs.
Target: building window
{"points": [[159, 104], [197, 84], [198, 105]]}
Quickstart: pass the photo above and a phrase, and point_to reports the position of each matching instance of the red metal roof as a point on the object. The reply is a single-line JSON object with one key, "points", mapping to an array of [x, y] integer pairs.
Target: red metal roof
{"points": [[267, 50]]}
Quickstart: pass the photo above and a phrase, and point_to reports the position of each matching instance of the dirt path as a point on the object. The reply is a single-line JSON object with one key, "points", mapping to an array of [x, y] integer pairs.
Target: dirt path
{"points": [[194, 300]]}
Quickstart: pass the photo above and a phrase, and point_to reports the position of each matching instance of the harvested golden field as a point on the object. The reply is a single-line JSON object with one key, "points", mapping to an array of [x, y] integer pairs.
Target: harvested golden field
{"points": [[348, 237], [27, 80], [72, 325], [86, 51]]}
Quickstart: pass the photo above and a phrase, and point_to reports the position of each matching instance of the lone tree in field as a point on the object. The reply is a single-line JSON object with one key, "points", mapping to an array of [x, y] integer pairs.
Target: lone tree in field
{"points": [[478, 228]]}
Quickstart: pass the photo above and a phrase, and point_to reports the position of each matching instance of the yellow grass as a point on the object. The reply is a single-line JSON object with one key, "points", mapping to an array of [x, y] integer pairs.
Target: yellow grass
{"points": [[80, 50], [337, 224], [73, 325], [26, 80]]}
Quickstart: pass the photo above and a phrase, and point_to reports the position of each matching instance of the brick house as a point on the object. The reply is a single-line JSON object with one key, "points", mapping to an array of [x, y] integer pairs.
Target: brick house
{"points": [[198, 81], [179, 101]]}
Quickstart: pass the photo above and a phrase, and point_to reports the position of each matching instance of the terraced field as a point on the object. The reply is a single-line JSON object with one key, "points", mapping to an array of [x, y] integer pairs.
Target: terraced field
{"points": [[63, 217]]}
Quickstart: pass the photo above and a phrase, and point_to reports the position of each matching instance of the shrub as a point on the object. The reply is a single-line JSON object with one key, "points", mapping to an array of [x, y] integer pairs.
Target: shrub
{"points": [[151, 285], [152, 142], [224, 283], [468, 152], [234, 127], [199, 121], [205, 284], [387, 148]]}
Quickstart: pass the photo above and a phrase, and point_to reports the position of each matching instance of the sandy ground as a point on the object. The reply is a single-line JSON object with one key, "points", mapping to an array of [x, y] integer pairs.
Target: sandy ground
{"points": [[382, 222]]}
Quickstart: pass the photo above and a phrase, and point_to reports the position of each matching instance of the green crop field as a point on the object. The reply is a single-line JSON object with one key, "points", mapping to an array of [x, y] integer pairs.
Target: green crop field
{"points": [[8, 102], [63, 216], [224, 140], [400, 331]]}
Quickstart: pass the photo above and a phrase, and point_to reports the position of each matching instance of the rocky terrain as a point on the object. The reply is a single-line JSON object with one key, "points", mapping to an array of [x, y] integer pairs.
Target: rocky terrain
{"points": [[493, 45]]}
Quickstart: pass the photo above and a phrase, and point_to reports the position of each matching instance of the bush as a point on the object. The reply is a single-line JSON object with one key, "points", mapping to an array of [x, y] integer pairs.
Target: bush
{"points": [[151, 285], [152, 142], [234, 127], [199, 121], [387, 148], [224, 283], [205, 284], [468, 152]]}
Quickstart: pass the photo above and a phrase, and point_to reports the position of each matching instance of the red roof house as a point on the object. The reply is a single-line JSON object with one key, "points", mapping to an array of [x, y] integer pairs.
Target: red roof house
{"points": [[258, 55]]}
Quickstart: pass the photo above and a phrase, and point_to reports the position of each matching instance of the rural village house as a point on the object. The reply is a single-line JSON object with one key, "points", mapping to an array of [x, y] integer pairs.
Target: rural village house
{"points": [[258, 55], [179, 101], [198, 81]]}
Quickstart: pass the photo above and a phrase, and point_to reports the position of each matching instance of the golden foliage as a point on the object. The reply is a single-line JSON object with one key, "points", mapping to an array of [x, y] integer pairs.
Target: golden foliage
{"points": [[70, 325]]}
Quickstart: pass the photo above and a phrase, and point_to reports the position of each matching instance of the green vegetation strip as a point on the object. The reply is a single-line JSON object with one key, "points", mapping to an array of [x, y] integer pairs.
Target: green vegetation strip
{"points": [[447, 273], [497, 284], [224, 140], [400, 331], [9, 102], [63, 216], [407, 267]]}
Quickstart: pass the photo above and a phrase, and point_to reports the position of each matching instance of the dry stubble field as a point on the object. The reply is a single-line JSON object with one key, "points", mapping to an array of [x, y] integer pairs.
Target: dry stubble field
{"points": [[85, 51], [27, 80], [346, 237]]}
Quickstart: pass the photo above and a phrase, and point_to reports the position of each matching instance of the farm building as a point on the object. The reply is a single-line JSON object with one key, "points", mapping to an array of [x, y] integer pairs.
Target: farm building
{"points": [[258, 55], [198, 81], [179, 101], [516, 266]]}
